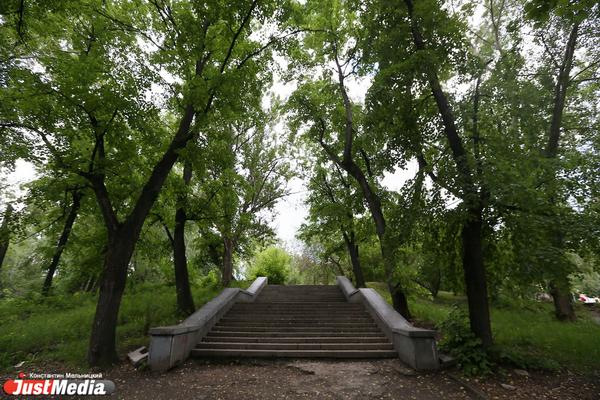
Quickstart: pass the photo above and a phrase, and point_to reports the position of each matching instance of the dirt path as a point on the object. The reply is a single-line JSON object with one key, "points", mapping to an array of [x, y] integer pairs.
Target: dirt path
{"points": [[380, 379], [309, 379], [385, 379]]}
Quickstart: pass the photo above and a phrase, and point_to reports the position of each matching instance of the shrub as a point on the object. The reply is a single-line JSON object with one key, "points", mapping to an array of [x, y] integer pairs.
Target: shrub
{"points": [[211, 280], [461, 343], [272, 262]]}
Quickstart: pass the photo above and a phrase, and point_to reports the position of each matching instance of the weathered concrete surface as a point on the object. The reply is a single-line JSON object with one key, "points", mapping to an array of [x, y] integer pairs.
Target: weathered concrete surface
{"points": [[171, 345], [248, 295], [348, 289], [415, 346], [138, 356]]}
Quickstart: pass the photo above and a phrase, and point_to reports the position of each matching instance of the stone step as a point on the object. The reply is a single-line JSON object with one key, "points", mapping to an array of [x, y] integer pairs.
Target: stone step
{"points": [[307, 320], [307, 329], [344, 313], [286, 324], [298, 306], [299, 324], [298, 339], [296, 321], [279, 292], [267, 334], [332, 317], [294, 353], [293, 319], [330, 290], [290, 302], [303, 287], [335, 292], [289, 298], [294, 346]]}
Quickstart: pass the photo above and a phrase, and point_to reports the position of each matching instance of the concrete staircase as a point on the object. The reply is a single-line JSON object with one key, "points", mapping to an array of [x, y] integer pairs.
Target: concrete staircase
{"points": [[296, 321]]}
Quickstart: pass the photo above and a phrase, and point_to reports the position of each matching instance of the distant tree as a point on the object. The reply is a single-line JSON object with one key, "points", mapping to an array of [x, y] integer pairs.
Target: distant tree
{"points": [[5, 232], [333, 204], [272, 262]]}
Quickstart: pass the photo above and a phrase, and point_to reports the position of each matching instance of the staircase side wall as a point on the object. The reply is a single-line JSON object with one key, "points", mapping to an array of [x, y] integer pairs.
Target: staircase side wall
{"points": [[171, 345], [415, 346]]}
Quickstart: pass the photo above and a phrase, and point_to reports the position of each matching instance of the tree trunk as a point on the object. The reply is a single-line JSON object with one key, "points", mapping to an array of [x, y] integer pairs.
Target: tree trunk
{"points": [[5, 233], [475, 279], [227, 272], [354, 259], [83, 287], [560, 287], [102, 350], [560, 93], [62, 241], [121, 243], [185, 301], [337, 265], [435, 285], [399, 299], [563, 303]]}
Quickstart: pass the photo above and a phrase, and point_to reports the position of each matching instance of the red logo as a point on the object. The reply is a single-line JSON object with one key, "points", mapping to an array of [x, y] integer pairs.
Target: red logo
{"points": [[68, 387]]}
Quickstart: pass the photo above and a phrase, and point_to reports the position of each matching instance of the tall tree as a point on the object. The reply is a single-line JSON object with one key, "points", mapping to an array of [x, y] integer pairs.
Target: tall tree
{"points": [[566, 22], [248, 174], [333, 203], [76, 195], [412, 46], [5, 232], [318, 103]]}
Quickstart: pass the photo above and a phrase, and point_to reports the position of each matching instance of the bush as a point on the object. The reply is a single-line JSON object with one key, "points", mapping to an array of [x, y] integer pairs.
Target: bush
{"points": [[211, 280], [272, 262], [587, 282], [461, 343]]}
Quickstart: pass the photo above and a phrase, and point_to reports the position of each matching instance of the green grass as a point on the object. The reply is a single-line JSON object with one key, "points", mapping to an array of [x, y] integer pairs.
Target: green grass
{"points": [[57, 329], [525, 333]]}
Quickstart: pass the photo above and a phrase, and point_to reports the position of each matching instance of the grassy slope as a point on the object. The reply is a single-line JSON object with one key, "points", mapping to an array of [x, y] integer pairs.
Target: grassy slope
{"points": [[57, 329], [528, 332]]}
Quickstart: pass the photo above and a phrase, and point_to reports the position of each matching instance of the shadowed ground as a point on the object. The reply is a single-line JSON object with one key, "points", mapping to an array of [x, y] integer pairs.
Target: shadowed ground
{"points": [[308, 379]]}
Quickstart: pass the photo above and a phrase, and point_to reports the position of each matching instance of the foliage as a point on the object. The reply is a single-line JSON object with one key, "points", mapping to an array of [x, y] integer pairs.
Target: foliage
{"points": [[272, 262], [311, 268], [586, 279], [461, 343]]}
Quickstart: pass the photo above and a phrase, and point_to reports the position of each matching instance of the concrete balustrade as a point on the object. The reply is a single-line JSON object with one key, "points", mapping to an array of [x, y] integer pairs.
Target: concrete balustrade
{"points": [[415, 346], [171, 345]]}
